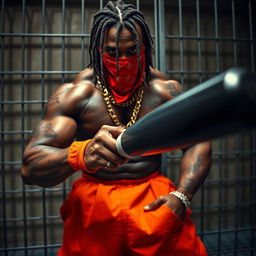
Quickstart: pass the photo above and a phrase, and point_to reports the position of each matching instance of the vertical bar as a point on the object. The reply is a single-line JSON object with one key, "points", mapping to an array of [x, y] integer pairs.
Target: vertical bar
{"points": [[160, 54], [253, 168], [253, 194], [42, 116], [237, 186], [22, 122], [160, 35], [138, 4], [199, 48], [181, 43], [216, 25], [4, 231], [234, 33], [156, 34], [63, 41], [101, 4], [220, 209], [82, 32], [237, 209], [251, 36], [64, 185]]}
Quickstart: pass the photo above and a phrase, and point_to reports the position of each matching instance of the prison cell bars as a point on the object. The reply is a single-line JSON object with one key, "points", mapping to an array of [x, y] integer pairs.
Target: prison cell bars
{"points": [[221, 153], [159, 52], [4, 232]]}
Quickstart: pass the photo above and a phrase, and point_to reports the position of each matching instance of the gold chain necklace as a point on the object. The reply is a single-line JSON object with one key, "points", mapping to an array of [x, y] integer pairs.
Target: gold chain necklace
{"points": [[138, 96], [123, 104]]}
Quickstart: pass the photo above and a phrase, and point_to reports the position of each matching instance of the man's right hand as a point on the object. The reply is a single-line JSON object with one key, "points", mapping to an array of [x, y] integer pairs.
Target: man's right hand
{"points": [[101, 151]]}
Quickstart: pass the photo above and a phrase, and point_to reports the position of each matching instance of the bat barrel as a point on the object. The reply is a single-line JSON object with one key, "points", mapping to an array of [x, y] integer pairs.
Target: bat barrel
{"points": [[222, 105]]}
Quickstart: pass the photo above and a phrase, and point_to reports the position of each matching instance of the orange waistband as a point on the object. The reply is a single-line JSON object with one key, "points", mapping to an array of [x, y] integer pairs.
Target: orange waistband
{"points": [[120, 181]]}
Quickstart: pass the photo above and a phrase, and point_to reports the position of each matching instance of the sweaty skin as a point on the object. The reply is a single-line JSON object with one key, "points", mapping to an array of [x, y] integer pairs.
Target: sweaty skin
{"points": [[77, 111]]}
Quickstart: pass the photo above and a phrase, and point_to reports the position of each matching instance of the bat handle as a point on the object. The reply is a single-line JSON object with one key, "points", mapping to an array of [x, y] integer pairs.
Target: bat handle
{"points": [[154, 151], [119, 147]]}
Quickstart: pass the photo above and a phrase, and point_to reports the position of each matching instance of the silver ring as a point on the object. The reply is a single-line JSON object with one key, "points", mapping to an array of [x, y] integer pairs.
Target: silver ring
{"points": [[108, 164]]}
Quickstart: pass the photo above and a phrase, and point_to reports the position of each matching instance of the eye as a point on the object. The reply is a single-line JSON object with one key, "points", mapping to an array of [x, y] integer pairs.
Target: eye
{"points": [[132, 51], [111, 51]]}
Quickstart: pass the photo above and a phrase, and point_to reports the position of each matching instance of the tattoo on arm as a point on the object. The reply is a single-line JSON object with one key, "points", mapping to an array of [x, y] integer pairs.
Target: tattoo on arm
{"points": [[54, 100], [194, 168], [44, 152], [44, 130], [193, 175], [174, 90], [191, 184], [36, 162]]}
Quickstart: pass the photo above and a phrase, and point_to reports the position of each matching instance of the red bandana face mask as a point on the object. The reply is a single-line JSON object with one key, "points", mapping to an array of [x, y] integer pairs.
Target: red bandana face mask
{"points": [[129, 79]]}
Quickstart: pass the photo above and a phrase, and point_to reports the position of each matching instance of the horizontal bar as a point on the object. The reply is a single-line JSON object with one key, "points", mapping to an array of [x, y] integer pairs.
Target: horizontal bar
{"points": [[29, 247], [219, 154], [42, 35], [229, 230], [30, 218], [212, 38], [11, 163], [227, 251], [192, 72], [224, 206], [17, 72], [83, 35], [23, 102], [16, 132], [229, 180], [35, 190]]}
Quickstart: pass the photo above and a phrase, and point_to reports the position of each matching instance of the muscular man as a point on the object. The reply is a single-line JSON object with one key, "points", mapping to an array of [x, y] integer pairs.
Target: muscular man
{"points": [[118, 207]]}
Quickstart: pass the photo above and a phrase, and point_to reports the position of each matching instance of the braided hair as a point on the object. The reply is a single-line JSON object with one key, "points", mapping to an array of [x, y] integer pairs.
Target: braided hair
{"points": [[118, 14]]}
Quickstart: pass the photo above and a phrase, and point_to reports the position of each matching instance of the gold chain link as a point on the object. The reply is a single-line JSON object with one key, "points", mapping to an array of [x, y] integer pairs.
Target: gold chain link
{"points": [[108, 98]]}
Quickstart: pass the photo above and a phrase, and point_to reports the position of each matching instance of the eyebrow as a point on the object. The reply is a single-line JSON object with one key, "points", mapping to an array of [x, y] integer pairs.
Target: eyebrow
{"points": [[110, 47]]}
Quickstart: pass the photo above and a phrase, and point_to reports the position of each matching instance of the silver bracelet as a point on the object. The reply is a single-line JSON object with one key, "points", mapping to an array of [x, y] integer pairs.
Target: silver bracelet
{"points": [[182, 197]]}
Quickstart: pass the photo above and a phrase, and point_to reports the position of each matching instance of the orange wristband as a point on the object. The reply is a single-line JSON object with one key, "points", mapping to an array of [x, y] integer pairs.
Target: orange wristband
{"points": [[76, 156]]}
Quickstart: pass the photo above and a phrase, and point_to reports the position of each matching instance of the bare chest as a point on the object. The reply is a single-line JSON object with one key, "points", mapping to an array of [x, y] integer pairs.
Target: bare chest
{"points": [[98, 112]]}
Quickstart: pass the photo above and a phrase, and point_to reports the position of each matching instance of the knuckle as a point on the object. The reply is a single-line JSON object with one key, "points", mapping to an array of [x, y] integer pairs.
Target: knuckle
{"points": [[99, 138], [96, 148], [161, 198], [104, 127]]}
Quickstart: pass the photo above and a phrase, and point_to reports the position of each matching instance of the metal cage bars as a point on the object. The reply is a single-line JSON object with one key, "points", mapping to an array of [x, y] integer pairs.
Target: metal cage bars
{"points": [[160, 41]]}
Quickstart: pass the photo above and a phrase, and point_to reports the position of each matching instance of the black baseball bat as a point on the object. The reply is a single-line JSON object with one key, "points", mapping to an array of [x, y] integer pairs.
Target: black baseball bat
{"points": [[222, 105]]}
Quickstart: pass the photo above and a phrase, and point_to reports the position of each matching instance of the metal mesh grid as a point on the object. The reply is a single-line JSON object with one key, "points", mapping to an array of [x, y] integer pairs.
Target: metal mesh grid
{"points": [[44, 43]]}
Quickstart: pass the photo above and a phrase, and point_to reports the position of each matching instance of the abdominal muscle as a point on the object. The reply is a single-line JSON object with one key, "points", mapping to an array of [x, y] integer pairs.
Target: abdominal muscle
{"points": [[136, 168]]}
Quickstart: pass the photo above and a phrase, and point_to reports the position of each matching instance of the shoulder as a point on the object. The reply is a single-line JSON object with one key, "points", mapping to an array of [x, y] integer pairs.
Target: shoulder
{"points": [[84, 75], [164, 88], [70, 98]]}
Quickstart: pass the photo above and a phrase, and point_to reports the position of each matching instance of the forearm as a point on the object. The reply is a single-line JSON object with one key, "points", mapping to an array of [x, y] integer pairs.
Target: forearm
{"points": [[45, 166], [194, 168]]}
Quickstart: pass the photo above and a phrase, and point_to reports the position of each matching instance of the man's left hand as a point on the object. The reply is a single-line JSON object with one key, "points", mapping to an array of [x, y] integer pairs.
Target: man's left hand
{"points": [[174, 203]]}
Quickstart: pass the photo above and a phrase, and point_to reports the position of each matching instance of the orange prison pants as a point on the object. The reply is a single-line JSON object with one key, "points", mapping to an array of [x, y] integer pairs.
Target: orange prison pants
{"points": [[106, 218]]}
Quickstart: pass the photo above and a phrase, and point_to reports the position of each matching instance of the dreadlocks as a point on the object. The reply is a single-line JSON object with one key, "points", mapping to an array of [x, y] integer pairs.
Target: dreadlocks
{"points": [[120, 15]]}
